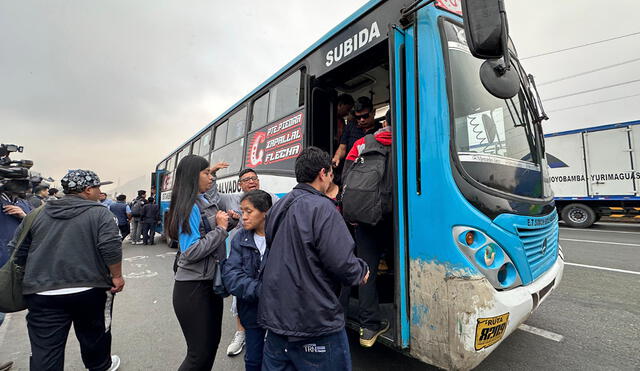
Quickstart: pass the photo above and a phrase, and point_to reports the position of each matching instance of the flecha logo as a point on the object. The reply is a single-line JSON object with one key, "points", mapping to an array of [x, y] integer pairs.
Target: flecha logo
{"points": [[313, 348]]}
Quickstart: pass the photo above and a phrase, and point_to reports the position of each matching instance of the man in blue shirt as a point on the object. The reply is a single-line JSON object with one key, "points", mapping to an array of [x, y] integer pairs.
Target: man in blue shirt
{"points": [[122, 211], [105, 200]]}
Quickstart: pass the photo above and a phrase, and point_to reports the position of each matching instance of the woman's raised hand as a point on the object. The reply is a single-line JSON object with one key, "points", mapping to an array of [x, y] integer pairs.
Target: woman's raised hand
{"points": [[222, 219], [218, 166]]}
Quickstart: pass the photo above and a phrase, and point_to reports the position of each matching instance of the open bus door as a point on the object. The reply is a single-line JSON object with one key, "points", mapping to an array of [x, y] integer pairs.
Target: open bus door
{"points": [[401, 65]]}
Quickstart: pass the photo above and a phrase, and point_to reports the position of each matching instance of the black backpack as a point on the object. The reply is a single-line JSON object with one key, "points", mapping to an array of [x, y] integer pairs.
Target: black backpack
{"points": [[136, 208], [367, 186]]}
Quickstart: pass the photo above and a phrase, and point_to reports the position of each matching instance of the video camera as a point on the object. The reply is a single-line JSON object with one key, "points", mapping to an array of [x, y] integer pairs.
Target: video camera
{"points": [[14, 175]]}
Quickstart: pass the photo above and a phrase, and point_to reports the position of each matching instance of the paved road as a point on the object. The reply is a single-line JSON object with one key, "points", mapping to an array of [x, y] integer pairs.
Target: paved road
{"points": [[596, 311]]}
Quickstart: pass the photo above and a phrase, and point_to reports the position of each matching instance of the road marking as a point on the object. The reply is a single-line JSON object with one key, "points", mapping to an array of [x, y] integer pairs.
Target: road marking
{"points": [[146, 274], [602, 268], [4, 327], [598, 230], [134, 258], [540, 332], [602, 242]]}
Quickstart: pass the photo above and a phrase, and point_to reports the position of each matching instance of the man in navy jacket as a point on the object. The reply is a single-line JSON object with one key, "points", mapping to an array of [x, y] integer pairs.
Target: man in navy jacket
{"points": [[311, 257]]}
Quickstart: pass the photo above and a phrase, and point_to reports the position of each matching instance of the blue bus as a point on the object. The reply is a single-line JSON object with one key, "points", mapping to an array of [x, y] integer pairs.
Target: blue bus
{"points": [[476, 237]]}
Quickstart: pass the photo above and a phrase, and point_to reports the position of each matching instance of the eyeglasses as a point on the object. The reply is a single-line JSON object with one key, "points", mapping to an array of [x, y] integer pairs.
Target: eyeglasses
{"points": [[364, 117], [249, 179]]}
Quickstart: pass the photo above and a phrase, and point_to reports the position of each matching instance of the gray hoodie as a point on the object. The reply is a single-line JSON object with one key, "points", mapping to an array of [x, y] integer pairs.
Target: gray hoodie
{"points": [[71, 244]]}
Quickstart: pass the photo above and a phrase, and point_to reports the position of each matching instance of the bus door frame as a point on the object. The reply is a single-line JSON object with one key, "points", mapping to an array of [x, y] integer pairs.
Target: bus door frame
{"points": [[403, 103]]}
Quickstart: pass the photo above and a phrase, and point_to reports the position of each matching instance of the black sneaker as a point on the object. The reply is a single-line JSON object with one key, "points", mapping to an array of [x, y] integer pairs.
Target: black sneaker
{"points": [[368, 336]]}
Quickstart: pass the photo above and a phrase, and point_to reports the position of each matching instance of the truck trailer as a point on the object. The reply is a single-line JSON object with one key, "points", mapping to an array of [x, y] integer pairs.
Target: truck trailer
{"points": [[595, 172]]}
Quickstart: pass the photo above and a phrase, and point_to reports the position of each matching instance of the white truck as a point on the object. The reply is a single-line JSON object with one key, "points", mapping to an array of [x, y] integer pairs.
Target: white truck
{"points": [[595, 172]]}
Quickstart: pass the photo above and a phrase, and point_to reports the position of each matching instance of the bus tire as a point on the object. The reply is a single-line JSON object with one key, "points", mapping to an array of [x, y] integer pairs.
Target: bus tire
{"points": [[578, 215]]}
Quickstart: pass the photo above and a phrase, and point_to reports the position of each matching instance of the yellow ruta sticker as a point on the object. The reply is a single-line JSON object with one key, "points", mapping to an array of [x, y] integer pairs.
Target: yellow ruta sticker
{"points": [[490, 330]]}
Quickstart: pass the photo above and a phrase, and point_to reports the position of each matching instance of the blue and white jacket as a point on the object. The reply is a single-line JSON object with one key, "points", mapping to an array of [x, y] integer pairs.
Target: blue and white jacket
{"points": [[200, 249]]}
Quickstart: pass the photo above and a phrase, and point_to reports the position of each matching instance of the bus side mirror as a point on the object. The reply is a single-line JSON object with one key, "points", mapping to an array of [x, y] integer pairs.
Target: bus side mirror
{"points": [[484, 28], [487, 33]]}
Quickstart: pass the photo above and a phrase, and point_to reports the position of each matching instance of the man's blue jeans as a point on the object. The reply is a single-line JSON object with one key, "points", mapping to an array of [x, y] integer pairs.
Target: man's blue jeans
{"points": [[1, 318], [329, 352], [254, 340]]}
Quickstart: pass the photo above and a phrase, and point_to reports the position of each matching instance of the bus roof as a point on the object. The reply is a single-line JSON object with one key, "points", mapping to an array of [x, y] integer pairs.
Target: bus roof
{"points": [[358, 13]]}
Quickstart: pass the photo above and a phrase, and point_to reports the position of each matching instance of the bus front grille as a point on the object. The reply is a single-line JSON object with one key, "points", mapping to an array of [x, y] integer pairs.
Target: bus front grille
{"points": [[540, 246]]}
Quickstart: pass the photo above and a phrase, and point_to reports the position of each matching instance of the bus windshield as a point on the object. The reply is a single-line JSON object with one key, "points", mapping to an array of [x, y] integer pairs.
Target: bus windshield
{"points": [[493, 138]]}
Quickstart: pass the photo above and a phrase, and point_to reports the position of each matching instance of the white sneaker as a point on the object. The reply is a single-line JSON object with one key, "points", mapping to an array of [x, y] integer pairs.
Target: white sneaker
{"points": [[115, 363], [236, 345]]}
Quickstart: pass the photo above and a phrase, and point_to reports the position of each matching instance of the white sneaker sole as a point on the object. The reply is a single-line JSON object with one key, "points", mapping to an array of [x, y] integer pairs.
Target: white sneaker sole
{"points": [[231, 354]]}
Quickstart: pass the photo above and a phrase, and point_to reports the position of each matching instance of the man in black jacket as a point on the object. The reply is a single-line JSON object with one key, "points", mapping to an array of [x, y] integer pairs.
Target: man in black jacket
{"points": [[73, 269], [311, 256], [149, 218]]}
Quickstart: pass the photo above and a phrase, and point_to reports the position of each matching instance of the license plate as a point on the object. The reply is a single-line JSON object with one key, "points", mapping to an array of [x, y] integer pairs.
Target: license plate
{"points": [[490, 330]]}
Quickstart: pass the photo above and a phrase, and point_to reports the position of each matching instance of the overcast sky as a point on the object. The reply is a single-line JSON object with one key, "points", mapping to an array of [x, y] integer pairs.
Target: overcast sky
{"points": [[116, 85]]}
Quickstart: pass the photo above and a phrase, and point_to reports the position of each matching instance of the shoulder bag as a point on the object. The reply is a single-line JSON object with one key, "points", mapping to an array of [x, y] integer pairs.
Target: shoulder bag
{"points": [[12, 274]]}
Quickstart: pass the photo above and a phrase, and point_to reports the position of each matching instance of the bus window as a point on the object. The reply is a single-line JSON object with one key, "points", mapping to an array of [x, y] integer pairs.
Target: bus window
{"points": [[171, 164], [196, 147], [182, 154], [286, 96], [259, 112], [237, 125], [220, 137], [231, 153], [205, 144]]}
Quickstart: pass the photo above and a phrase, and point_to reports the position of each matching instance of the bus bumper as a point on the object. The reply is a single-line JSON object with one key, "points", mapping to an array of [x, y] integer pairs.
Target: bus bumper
{"points": [[473, 318]]}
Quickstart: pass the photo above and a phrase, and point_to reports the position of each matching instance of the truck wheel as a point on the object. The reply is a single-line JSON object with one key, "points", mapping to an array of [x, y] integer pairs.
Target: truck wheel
{"points": [[578, 216]]}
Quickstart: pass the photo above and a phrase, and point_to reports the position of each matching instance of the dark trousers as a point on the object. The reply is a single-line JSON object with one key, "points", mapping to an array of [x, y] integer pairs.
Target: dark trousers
{"points": [[125, 229], [148, 233], [371, 242], [329, 352], [199, 313], [50, 318], [254, 341]]}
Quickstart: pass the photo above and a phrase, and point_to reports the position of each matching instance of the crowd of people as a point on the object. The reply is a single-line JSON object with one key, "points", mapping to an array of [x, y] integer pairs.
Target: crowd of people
{"points": [[291, 265]]}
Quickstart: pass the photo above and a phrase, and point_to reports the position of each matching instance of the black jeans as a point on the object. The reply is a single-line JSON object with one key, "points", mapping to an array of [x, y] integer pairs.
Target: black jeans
{"points": [[371, 242], [148, 233], [199, 312], [125, 229], [50, 318]]}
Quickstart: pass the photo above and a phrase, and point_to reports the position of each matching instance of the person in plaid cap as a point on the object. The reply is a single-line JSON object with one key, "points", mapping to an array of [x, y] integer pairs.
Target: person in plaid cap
{"points": [[73, 256]]}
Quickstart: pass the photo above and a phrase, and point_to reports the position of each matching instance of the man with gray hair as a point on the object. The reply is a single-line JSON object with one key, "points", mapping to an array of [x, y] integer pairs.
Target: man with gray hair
{"points": [[73, 267]]}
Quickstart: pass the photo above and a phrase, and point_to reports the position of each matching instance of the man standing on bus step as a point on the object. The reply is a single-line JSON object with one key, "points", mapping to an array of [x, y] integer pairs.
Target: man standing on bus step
{"points": [[365, 123], [73, 253], [371, 242], [312, 256], [122, 212], [248, 181], [136, 213]]}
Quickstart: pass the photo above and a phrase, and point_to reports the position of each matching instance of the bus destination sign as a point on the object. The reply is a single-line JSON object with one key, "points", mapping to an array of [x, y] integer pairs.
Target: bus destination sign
{"points": [[276, 143]]}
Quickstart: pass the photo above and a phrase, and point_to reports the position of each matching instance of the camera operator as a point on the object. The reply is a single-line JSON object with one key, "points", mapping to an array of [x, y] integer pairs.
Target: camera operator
{"points": [[14, 181]]}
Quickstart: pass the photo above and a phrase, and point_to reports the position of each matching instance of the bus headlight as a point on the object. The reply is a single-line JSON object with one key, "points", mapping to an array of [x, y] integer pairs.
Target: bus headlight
{"points": [[488, 257]]}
